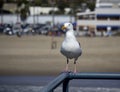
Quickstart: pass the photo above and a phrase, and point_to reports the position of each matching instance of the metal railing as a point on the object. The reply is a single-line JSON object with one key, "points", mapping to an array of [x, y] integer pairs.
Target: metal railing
{"points": [[64, 79]]}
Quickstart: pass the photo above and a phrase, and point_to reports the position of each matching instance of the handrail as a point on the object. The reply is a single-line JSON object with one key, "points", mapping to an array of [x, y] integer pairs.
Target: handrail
{"points": [[56, 82], [103, 76], [67, 76]]}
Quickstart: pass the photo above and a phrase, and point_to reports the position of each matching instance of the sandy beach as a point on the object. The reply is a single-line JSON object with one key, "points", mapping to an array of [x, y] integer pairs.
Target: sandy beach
{"points": [[32, 55]]}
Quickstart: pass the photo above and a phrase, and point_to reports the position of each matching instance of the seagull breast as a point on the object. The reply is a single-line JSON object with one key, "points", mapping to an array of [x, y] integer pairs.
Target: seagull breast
{"points": [[70, 47]]}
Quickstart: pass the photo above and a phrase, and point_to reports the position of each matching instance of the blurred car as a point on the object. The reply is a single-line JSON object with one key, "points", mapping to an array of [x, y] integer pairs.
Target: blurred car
{"points": [[16, 29], [8, 31], [44, 30], [37, 28]]}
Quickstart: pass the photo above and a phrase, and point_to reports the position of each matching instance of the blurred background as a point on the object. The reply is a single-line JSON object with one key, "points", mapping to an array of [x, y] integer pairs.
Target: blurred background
{"points": [[31, 37], [89, 17], [40, 16]]}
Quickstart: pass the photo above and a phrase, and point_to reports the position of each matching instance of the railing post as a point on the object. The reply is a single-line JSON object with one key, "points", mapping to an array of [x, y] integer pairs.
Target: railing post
{"points": [[55, 83], [66, 85], [52, 90]]}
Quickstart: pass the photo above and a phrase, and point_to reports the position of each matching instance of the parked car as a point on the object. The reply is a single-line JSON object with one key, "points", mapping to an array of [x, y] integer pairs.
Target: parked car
{"points": [[16, 29], [8, 31], [45, 29], [37, 28]]}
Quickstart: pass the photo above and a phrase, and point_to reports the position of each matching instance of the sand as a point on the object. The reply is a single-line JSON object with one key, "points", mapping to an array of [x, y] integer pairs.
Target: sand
{"points": [[32, 55]]}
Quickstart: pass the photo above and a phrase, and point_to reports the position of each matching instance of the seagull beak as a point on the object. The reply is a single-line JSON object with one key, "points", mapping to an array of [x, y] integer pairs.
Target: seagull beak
{"points": [[63, 27]]}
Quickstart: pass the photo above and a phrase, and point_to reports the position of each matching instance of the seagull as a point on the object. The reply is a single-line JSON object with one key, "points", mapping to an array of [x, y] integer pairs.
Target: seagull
{"points": [[70, 47]]}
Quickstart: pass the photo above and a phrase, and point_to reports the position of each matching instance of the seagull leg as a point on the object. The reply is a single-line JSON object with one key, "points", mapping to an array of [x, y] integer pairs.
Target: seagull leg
{"points": [[66, 69], [75, 68]]}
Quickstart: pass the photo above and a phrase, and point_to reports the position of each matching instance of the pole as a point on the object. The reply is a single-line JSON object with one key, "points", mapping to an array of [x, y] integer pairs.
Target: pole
{"points": [[1, 16], [72, 10], [66, 85], [53, 42], [53, 16]]}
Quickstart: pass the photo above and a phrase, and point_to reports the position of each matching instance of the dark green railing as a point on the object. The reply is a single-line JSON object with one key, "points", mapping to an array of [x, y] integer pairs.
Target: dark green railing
{"points": [[64, 79]]}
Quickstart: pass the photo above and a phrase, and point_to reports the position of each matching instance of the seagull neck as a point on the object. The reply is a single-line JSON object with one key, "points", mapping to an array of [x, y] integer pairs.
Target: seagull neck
{"points": [[70, 35]]}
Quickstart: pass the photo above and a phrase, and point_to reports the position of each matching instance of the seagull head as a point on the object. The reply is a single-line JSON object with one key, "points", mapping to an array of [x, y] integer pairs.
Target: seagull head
{"points": [[67, 26]]}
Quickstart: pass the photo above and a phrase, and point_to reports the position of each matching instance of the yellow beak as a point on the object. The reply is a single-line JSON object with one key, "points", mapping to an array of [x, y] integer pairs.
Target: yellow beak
{"points": [[63, 27]]}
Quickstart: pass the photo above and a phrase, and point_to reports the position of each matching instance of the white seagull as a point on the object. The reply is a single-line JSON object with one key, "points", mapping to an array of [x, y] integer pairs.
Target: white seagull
{"points": [[70, 48]]}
